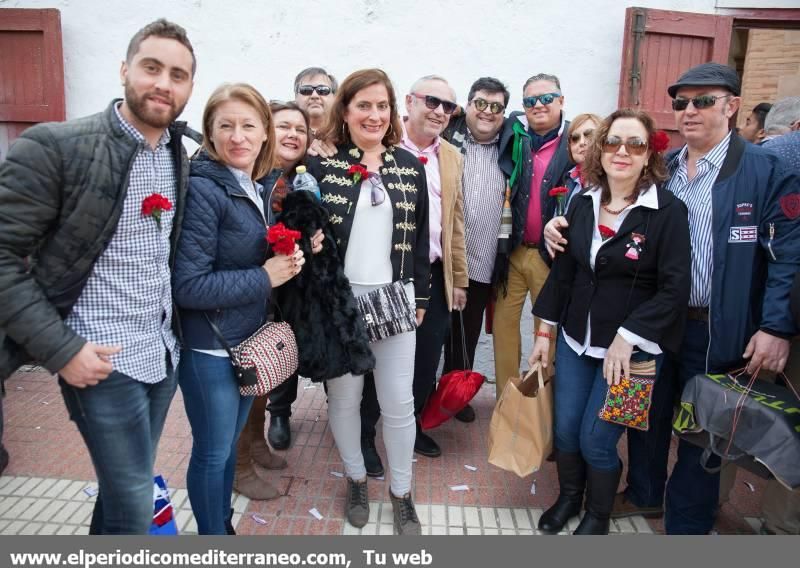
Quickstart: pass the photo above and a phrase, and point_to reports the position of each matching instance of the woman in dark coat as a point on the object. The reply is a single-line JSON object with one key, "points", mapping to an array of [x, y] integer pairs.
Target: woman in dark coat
{"points": [[618, 294]]}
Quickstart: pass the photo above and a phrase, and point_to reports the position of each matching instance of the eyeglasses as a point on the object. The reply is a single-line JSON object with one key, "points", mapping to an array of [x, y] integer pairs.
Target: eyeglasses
{"points": [[575, 137], [699, 102], [635, 146], [308, 90], [494, 108], [377, 192], [546, 99], [433, 103]]}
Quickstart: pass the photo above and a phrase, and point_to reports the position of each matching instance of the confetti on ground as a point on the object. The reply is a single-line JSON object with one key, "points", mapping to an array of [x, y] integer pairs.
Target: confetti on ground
{"points": [[45, 403], [259, 520], [316, 514], [90, 491], [459, 488], [380, 478], [533, 488], [20, 388], [471, 467], [413, 460], [337, 474], [750, 486], [38, 427]]}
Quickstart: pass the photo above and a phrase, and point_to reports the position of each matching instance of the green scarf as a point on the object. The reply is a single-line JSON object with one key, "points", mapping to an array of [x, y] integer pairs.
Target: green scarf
{"points": [[516, 150]]}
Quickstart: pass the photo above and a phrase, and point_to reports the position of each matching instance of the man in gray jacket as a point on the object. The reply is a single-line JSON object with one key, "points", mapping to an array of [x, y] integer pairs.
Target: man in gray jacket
{"points": [[95, 205]]}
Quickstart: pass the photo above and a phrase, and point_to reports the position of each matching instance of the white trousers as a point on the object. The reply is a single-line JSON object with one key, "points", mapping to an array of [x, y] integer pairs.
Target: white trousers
{"points": [[394, 376]]}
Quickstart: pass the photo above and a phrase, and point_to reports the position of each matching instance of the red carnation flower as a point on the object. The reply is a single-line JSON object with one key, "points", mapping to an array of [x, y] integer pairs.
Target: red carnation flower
{"points": [[423, 159], [155, 204], [558, 191], [659, 141], [606, 232], [358, 172], [282, 239]]}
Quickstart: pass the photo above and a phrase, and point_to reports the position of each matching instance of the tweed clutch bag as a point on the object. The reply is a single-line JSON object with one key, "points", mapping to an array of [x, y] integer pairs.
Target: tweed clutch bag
{"points": [[387, 311], [628, 403]]}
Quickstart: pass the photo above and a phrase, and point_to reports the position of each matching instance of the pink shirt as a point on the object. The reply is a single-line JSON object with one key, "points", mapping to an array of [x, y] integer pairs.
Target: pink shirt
{"points": [[431, 153], [541, 159]]}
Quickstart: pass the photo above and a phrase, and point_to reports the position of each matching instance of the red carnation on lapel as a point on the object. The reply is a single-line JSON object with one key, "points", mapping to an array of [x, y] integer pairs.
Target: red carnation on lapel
{"points": [[155, 204], [606, 232], [357, 172], [423, 159]]}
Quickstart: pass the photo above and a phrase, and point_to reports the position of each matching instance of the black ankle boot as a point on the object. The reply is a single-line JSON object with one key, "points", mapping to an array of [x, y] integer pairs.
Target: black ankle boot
{"points": [[571, 482], [601, 487], [372, 460], [229, 525]]}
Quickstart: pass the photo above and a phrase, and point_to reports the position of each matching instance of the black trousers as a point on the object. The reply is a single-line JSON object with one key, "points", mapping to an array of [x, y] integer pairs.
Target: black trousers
{"points": [[477, 299], [282, 397], [430, 340]]}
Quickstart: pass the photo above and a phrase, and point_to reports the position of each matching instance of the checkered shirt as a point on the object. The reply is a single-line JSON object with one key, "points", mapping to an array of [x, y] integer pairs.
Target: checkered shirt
{"points": [[127, 300]]}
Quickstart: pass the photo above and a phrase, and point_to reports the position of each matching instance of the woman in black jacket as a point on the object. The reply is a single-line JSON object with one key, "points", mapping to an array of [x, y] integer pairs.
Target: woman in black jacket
{"points": [[222, 274], [377, 197], [619, 294]]}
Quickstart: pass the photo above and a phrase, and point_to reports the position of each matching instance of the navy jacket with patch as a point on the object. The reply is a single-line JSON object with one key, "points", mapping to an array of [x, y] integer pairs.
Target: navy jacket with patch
{"points": [[756, 251]]}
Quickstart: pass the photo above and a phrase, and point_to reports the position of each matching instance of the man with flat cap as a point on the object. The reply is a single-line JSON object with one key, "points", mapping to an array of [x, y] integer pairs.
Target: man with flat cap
{"points": [[743, 206]]}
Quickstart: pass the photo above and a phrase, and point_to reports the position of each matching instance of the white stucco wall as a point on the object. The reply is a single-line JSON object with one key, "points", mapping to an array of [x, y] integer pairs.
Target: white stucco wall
{"points": [[266, 42]]}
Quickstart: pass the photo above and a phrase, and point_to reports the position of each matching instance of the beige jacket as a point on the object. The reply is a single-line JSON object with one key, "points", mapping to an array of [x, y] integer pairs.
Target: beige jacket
{"points": [[454, 251]]}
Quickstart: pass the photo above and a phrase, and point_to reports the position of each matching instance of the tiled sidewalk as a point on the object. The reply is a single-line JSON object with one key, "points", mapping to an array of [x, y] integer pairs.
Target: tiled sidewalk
{"points": [[42, 491]]}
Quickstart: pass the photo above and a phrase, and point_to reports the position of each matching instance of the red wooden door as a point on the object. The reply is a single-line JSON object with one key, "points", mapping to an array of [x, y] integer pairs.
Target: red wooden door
{"points": [[31, 71], [659, 45]]}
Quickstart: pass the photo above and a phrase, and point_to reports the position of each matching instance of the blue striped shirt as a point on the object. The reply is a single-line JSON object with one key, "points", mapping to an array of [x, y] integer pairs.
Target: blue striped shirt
{"points": [[696, 194]]}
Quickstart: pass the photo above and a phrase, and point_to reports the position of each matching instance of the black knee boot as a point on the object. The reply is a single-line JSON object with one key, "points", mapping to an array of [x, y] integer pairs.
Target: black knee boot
{"points": [[601, 486], [571, 482]]}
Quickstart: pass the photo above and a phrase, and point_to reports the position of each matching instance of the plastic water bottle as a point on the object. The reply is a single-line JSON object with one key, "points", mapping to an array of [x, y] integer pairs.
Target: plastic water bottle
{"points": [[304, 181]]}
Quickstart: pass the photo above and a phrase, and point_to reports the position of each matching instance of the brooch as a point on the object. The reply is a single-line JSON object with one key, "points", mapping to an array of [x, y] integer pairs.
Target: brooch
{"points": [[635, 246]]}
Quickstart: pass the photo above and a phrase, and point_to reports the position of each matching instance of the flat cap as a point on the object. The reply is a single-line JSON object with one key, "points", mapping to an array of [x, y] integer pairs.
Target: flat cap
{"points": [[708, 74]]}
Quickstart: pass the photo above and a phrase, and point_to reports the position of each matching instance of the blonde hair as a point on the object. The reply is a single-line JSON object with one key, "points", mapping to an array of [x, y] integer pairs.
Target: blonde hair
{"points": [[248, 95]]}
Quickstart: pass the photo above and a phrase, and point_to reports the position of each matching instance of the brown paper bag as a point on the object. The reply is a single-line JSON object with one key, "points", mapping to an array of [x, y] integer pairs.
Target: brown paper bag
{"points": [[521, 431]]}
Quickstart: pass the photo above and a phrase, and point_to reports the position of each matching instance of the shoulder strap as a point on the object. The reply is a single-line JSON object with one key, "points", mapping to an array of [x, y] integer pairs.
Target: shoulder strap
{"points": [[221, 339]]}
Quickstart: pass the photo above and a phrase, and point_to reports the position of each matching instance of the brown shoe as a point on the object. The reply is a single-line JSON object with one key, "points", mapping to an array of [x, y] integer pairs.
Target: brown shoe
{"points": [[263, 456], [248, 483], [356, 507], [406, 521], [623, 507]]}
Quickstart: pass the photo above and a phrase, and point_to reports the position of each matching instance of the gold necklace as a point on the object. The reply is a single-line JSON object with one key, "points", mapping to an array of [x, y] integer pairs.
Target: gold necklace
{"points": [[628, 199]]}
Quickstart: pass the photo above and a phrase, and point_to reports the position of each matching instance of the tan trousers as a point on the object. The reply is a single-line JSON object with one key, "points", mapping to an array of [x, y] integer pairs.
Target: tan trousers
{"points": [[527, 274]]}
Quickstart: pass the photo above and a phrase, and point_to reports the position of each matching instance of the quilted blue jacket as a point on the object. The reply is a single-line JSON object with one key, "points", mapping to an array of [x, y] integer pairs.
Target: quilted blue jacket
{"points": [[218, 266]]}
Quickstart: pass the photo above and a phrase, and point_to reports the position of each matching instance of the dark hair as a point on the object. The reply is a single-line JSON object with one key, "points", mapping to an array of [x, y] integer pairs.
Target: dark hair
{"points": [[592, 169], [543, 77], [310, 72], [164, 29], [490, 85], [248, 95], [334, 131], [278, 106], [760, 112]]}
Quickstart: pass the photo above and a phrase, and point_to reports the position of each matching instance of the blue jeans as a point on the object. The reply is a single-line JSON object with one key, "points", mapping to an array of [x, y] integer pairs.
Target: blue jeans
{"points": [[121, 420], [580, 392], [692, 494], [217, 413]]}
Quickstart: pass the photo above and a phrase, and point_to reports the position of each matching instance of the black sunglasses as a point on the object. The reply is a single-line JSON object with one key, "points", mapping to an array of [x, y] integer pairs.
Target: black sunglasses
{"points": [[433, 103], [494, 108], [377, 192], [547, 98], [308, 90], [699, 102], [575, 137], [635, 146]]}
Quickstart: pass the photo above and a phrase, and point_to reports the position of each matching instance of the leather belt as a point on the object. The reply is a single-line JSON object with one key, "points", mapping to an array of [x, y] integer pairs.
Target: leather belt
{"points": [[697, 314]]}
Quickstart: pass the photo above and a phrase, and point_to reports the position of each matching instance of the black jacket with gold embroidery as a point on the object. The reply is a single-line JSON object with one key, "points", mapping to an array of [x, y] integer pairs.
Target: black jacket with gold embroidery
{"points": [[407, 188]]}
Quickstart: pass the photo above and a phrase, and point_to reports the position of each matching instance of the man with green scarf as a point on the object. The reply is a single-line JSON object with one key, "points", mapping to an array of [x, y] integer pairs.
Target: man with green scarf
{"points": [[534, 154]]}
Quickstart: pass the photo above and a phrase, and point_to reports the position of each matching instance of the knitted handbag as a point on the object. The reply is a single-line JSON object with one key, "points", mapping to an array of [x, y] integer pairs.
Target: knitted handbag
{"points": [[264, 360]]}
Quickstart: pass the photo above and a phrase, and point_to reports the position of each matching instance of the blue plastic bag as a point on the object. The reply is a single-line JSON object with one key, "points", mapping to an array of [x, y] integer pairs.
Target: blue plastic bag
{"points": [[163, 512]]}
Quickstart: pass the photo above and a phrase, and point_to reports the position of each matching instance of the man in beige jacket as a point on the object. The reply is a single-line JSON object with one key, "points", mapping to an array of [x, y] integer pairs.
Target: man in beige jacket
{"points": [[429, 104]]}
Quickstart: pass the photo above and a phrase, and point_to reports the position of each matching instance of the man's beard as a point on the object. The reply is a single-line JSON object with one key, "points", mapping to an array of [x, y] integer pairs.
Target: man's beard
{"points": [[139, 109]]}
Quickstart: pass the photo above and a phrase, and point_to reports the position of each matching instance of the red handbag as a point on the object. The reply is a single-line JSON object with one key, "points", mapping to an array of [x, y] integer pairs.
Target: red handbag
{"points": [[453, 393]]}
